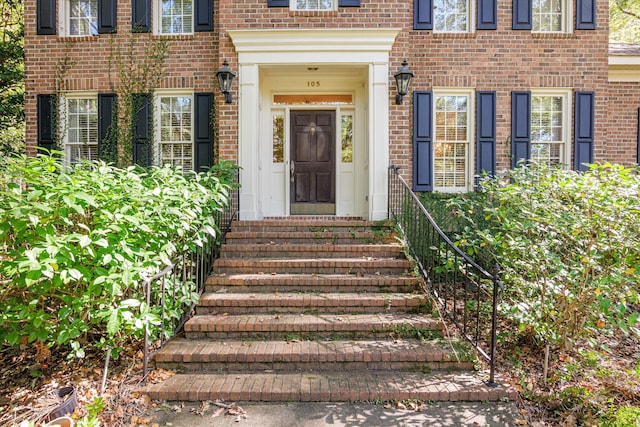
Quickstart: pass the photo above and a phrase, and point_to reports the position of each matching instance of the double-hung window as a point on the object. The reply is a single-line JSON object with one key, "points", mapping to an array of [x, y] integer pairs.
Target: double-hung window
{"points": [[549, 128], [175, 138], [540, 127], [79, 18], [175, 16], [451, 16], [81, 136], [313, 4], [452, 143], [83, 17], [550, 16]]}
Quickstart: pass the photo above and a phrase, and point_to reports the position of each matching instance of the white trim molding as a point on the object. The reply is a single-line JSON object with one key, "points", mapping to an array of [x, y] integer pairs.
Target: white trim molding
{"points": [[367, 48]]}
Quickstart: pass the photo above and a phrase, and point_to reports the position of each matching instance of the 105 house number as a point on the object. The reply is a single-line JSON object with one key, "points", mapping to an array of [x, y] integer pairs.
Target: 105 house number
{"points": [[314, 83]]}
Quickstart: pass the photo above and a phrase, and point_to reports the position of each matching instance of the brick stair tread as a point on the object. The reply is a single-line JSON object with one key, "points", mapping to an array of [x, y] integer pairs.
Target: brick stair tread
{"points": [[307, 322], [338, 238], [310, 223], [314, 386], [333, 279], [381, 301], [312, 247], [313, 262], [409, 350], [250, 282]]}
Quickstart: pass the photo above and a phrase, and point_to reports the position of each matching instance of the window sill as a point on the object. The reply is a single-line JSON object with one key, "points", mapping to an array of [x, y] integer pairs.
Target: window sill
{"points": [[173, 36], [314, 13], [437, 35], [550, 35], [65, 38]]}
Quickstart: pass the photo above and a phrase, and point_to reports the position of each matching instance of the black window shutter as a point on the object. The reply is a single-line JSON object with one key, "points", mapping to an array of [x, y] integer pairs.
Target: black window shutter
{"points": [[142, 129], [278, 3], [106, 127], [46, 11], [107, 16], [423, 14], [46, 121], [520, 127], [586, 14], [486, 133], [203, 15], [203, 132], [422, 141], [487, 14], [522, 15], [583, 130], [349, 3], [141, 15]]}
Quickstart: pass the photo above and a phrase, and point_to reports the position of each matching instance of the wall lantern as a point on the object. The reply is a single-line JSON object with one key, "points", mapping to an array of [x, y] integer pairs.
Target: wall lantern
{"points": [[225, 78], [403, 81]]}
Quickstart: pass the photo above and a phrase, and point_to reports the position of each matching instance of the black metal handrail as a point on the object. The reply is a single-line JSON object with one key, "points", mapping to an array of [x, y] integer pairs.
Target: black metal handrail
{"points": [[189, 271], [466, 292]]}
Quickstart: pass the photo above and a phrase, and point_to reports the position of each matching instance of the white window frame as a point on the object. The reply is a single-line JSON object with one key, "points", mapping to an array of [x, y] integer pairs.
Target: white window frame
{"points": [[470, 154], [64, 18], [566, 21], [65, 122], [293, 5], [566, 94], [158, 95], [157, 20], [471, 23]]}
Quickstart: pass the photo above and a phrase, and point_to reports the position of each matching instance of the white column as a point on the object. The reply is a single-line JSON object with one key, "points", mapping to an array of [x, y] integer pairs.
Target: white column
{"points": [[378, 139], [248, 119]]}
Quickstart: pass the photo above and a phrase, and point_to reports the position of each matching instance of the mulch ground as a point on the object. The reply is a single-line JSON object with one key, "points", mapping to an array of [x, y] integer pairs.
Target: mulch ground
{"points": [[582, 383]]}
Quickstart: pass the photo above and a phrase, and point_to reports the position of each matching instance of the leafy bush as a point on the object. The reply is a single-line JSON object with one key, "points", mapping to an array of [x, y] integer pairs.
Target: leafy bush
{"points": [[568, 244], [77, 242]]}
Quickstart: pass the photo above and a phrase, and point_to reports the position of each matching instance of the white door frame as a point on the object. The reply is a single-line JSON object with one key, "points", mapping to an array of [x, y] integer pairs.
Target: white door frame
{"points": [[326, 46]]}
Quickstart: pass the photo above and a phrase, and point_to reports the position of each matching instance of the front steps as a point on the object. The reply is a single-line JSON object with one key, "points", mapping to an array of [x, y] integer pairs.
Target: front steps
{"points": [[303, 309]]}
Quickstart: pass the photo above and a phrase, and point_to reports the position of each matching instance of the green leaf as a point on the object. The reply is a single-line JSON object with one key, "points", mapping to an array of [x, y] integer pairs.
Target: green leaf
{"points": [[75, 274], [84, 241], [633, 319], [164, 258], [114, 323]]}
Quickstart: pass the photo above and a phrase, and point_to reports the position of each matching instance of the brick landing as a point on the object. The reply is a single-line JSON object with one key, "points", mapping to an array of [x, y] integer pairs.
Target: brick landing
{"points": [[316, 309], [358, 386]]}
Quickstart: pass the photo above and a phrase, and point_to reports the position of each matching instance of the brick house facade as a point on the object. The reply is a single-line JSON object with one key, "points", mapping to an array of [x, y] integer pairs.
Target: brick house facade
{"points": [[313, 122]]}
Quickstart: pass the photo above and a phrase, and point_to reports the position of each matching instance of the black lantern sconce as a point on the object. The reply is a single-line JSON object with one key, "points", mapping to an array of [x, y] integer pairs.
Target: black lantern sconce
{"points": [[225, 79], [403, 81]]}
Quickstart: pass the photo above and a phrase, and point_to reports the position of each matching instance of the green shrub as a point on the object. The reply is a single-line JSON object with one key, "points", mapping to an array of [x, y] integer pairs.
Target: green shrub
{"points": [[568, 244], [77, 242]]}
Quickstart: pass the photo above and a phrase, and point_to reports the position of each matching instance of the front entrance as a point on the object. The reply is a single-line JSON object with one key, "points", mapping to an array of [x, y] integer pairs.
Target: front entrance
{"points": [[312, 167]]}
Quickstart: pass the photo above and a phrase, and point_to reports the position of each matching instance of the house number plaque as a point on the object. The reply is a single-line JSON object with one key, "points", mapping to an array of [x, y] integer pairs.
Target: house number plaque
{"points": [[313, 83]]}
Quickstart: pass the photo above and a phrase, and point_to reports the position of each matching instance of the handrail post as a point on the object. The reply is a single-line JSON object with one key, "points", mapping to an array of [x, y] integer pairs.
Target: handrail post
{"points": [[145, 357], [494, 316]]}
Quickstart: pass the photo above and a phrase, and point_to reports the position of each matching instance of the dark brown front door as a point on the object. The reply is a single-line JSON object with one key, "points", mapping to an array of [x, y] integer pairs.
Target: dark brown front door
{"points": [[312, 169]]}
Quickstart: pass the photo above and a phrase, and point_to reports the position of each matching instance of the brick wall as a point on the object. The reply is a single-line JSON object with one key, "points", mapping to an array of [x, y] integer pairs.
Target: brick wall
{"points": [[502, 60], [622, 112], [191, 64]]}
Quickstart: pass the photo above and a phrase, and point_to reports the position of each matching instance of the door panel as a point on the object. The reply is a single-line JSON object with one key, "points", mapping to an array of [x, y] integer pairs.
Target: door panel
{"points": [[313, 162]]}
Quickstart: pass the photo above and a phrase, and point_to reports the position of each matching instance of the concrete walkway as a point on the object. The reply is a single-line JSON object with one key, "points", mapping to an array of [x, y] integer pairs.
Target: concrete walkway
{"points": [[440, 414]]}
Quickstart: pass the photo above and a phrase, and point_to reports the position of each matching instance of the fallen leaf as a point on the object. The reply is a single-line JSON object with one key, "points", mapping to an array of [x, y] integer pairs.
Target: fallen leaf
{"points": [[218, 412]]}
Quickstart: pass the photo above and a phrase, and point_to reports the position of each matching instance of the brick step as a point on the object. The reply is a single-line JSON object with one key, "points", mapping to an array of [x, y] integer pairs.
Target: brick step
{"points": [[316, 237], [349, 303], [315, 225], [312, 265], [353, 386], [326, 250], [283, 282], [252, 356], [309, 326]]}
